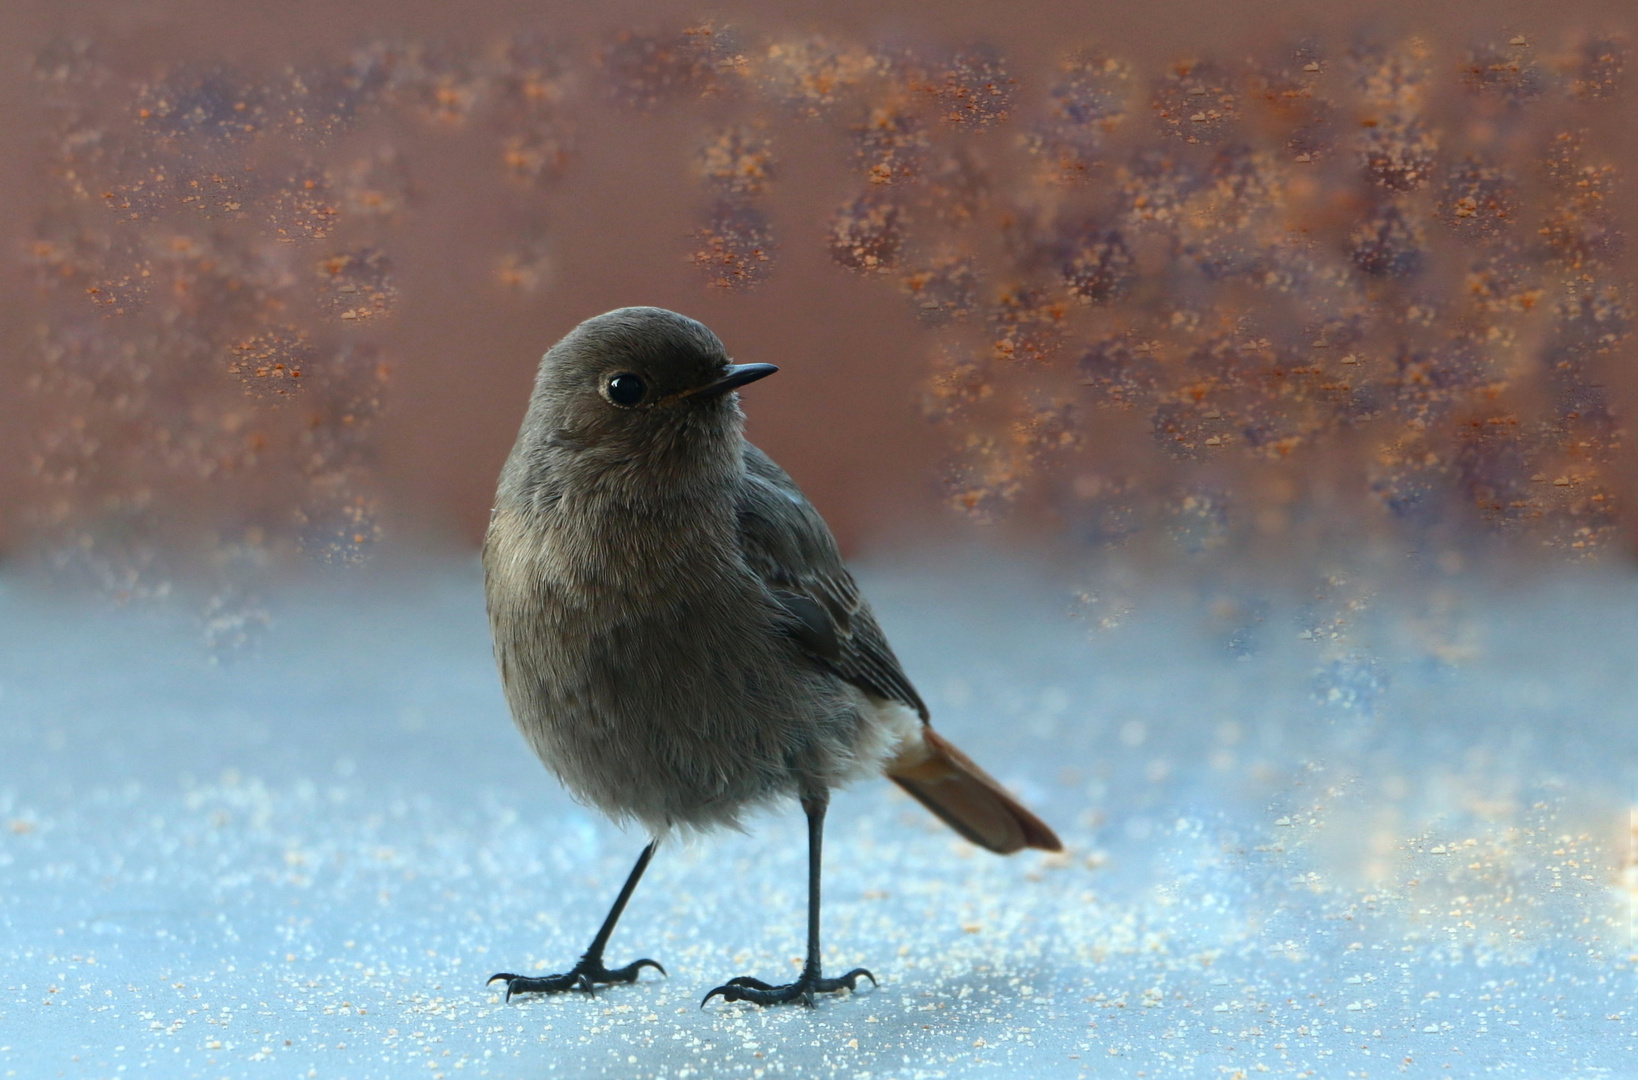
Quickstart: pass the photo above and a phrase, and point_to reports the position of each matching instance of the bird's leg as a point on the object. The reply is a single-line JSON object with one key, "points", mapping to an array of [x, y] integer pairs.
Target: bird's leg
{"points": [[590, 969], [811, 981]]}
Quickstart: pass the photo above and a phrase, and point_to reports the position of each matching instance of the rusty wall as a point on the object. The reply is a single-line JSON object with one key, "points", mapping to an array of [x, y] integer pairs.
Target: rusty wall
{"points": [[1173, 283]]}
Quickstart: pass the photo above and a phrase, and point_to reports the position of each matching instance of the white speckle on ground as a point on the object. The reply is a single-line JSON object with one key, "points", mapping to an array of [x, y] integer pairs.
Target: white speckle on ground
{"points": [[1416, 855]]}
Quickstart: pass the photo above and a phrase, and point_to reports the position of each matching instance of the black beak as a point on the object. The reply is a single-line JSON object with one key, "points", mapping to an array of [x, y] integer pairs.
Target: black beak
{"points": [[735, 377]]}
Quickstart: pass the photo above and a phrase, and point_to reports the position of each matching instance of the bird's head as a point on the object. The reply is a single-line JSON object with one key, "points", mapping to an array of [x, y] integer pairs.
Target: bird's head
{"points": [[638, 389]]}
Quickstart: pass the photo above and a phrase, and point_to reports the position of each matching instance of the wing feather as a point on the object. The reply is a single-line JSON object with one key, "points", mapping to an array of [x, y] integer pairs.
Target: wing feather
{"points": [[786, 542]]}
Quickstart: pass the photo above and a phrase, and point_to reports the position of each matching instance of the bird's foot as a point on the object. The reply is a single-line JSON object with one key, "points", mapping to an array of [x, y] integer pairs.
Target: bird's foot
{"points": [[758, 992], [588, 972]]}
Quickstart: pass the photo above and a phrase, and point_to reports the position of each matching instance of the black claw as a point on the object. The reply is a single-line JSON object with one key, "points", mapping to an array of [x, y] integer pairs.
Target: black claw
{"points": [[585, 975], [757, 992], [629, 972], [524, 984]]}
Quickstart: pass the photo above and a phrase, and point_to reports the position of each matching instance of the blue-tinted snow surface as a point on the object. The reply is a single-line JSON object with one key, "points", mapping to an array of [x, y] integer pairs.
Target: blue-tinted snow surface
{"points": [[1344, 834]]}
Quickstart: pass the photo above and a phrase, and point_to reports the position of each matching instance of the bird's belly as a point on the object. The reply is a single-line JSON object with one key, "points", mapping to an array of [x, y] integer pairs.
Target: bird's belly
{"points": [[671, 711]]}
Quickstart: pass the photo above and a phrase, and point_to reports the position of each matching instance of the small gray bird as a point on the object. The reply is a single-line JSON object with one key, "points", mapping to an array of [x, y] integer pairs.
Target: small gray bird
{"points": [[676, 634]]}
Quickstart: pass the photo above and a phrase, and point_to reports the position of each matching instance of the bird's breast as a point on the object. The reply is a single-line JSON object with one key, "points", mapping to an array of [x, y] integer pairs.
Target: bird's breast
{"points": [[610, 556], [637, 675]]}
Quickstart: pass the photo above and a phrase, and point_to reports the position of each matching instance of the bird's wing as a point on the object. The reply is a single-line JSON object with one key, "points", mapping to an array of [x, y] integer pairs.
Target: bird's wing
{"points": [[786, 542]]}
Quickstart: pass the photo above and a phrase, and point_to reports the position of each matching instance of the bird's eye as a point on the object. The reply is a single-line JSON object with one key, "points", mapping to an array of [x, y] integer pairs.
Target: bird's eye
{"points": [[626, 389]]}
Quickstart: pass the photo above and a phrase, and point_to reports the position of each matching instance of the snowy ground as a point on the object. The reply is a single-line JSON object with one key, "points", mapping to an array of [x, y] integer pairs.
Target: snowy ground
{"points": [[1304, 838]]}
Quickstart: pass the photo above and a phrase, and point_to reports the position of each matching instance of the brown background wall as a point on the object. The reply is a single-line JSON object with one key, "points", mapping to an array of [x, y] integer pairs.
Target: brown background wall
{"points": [[615, 223]]}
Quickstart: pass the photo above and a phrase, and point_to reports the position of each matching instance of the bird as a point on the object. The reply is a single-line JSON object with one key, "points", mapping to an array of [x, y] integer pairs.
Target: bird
{"points": [[677, 636]]}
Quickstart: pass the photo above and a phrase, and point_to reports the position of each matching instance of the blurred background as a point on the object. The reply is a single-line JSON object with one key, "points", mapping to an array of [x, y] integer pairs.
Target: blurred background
{"points": [[1243, 293], [1224, 404]]}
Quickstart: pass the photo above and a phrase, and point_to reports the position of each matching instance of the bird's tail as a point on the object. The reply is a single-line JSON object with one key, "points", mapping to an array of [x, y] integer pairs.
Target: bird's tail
{"points": [[967, 798]]}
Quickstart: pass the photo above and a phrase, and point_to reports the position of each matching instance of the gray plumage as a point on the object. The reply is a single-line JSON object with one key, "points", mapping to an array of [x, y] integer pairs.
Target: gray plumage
{"points": [[677, 636]]}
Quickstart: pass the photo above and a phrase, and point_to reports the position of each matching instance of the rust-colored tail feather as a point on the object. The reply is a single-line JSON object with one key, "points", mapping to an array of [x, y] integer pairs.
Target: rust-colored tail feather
{"points": [[967, 798]]}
